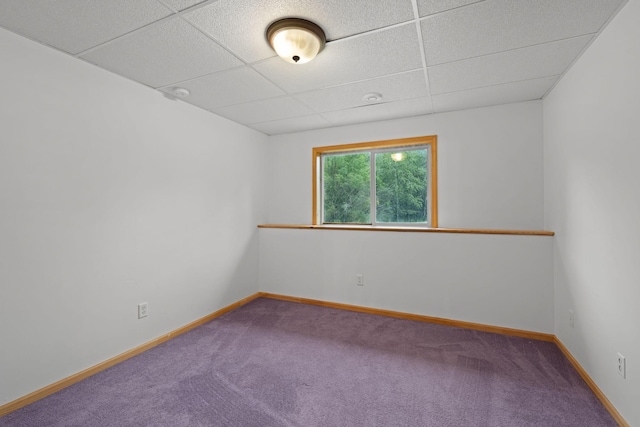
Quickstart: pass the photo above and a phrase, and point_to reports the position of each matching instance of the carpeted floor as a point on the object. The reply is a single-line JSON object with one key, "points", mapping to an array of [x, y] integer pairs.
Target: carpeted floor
{"points": [[275, 363]]}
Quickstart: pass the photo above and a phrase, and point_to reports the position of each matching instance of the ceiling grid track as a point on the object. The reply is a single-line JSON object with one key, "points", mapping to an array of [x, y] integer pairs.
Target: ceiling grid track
{"points": [[416, 15], [383, 60]]}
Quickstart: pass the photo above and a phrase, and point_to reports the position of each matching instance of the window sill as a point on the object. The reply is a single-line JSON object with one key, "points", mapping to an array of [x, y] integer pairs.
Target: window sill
{"points": [[410, 229]]}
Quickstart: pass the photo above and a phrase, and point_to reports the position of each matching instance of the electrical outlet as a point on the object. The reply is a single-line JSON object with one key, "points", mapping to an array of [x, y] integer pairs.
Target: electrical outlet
{"points": [[622, 366], [359, 279], [143, 310], [571, 319]]}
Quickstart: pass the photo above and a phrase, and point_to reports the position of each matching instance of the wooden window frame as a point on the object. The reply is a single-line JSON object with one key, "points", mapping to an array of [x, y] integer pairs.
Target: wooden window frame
{"points": [[317, 152]]}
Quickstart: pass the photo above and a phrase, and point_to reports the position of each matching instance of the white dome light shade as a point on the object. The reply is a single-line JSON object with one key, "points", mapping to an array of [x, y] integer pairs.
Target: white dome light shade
{"points": [[296, 40]]}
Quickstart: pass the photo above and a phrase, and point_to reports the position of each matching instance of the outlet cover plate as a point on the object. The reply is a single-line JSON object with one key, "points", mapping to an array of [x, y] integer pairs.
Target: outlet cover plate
{"points": [[622, 366], [143, 310], [571, 319]]}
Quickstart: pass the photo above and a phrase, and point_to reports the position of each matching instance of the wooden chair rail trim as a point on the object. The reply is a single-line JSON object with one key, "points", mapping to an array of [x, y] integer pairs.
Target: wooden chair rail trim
{"points": [[410, 229]]}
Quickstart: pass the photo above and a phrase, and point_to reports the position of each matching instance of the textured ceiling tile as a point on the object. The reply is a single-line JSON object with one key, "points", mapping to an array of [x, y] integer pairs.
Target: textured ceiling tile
{"points": [[240, 25], [163, 54], [473, 48], [393, 88], [359, 58], [385, 111], [429, 7], [181, 4], [498, 25], [493, 95], [235, 86], [296, 124], [544, 60], [77, 25], [264, 110]]}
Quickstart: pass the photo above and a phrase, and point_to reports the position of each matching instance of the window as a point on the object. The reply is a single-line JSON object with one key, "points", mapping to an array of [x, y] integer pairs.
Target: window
{"points": [[390, 183]]}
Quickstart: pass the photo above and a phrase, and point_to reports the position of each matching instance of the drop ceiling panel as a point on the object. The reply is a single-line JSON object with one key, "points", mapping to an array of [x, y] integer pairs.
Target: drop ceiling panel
{"points": [[240, 25], [264, 110], [393, 88], [549, 59], [163, 54], [477, 52], [296, 124], [493, 95], [429, 7], [498, 25], [77, 25], [372, 55], [385, 111], [229, 87]]}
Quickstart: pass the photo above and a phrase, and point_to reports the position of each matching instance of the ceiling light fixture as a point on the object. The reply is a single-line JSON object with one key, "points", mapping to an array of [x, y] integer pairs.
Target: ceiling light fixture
{"points": [[180, 92], [372, 97], [296, 40]]}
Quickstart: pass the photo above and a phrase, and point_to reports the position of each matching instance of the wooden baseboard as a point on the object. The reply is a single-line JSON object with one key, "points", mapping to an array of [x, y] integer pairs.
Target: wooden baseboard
{"points": [[469, 325], [592, 385], [66, 382], [418, 317]]}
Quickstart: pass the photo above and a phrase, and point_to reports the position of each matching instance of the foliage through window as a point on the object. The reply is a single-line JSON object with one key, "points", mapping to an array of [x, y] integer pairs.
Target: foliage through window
{"points": [[378, 183]]}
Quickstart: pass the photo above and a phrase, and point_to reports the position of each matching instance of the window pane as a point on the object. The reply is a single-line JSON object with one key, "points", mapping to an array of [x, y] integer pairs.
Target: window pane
{"points": [[346, 188], [401, 186]]}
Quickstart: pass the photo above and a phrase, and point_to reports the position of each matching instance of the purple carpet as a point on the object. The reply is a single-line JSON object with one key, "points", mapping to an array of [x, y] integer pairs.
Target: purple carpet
{"points": [[275, 363]]}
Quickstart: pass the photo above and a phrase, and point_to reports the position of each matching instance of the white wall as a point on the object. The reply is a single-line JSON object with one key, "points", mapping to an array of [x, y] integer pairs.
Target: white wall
{"points": [[490, 172], [592, 202], [111, 195], [490, 175], [490, 279]]}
